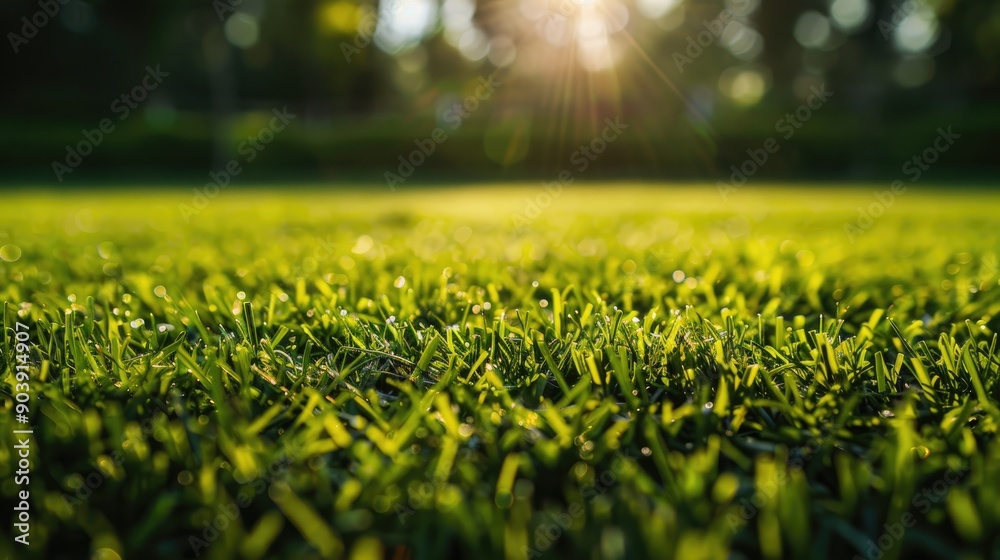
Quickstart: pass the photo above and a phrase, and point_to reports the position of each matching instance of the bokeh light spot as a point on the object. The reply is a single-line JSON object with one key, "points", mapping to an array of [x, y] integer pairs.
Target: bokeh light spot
{"points": [[812, 30], [745, 86], [10, 253], [849, 15], [914, 71], [916, 32], [340, 17], [242, 30], [654, 9]]}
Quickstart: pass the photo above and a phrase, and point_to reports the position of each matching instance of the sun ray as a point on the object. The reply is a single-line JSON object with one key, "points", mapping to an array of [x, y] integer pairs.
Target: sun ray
{"points": [[579, 62], [692, 108]]}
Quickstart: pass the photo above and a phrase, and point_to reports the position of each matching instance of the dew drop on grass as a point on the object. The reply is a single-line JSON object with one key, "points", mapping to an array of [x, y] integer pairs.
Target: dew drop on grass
{"points": [[160, 291], [104, 249], [241, 296], [10, 253], [400, 282], [137, 323]]}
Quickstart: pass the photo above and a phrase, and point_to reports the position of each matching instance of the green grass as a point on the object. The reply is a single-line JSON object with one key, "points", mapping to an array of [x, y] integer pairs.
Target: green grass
{"points": [[641, 373]]}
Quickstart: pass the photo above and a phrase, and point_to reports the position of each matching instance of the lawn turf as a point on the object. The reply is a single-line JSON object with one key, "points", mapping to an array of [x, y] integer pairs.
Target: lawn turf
{"points": [[618, 371]]}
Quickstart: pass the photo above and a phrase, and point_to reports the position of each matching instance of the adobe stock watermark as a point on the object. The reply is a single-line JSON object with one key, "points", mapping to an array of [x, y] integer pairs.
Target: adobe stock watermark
{"points": [[426, 492], [696, 44], [581, 158], [49, 9], [249, 149], [764, 493], [923, 501], [657, 260], [914, 168], [988, 269], [570, 9], [225, 7], [566, 9], [21, 452], [87, 485], [552, 529], [326, 249], [366, 33], [228, 513], [454, 116], [787, 126], [122, 106]]}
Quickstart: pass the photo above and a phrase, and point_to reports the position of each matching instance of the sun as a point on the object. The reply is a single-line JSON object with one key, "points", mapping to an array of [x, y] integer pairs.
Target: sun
{"points": [[587, 28], [567, 66]]}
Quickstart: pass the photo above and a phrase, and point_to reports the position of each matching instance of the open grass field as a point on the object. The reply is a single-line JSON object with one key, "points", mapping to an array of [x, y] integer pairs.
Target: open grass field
{"points": [[617, 372]]}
